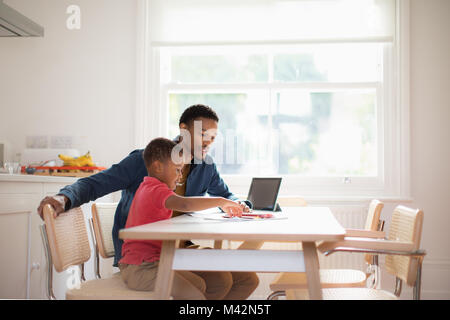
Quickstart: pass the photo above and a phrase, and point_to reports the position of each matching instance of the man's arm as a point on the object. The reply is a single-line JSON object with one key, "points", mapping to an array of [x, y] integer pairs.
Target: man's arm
{"points": [[118, 177], [217, 187]]}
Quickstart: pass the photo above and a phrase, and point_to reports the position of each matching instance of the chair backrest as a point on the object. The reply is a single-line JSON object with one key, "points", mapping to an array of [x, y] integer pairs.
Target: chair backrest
{"points": [[67, 238], [373, 215], [406, 226], [373, 221], [103, 221]]}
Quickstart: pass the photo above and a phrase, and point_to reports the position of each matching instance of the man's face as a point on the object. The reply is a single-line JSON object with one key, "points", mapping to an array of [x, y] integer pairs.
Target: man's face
{"points": [[202, 132]]}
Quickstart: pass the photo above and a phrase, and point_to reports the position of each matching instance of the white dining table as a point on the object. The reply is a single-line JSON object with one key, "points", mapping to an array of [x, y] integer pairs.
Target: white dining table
{"points": [[308, 225]]}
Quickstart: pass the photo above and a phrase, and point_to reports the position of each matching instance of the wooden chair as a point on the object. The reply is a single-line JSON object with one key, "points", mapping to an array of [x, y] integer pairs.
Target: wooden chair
{"points": [[66, 244], [338, 278], [404, 258], [101, 223]]}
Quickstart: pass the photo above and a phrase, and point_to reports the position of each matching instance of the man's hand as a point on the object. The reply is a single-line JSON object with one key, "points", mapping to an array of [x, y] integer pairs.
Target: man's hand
{"points": [[58, 203]]}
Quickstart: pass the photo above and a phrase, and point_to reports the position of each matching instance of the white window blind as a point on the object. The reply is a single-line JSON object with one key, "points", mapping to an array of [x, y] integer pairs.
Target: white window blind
{"points": [[231, 21]]}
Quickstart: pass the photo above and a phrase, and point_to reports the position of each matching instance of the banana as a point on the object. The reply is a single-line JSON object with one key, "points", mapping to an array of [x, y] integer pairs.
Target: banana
{"points": [[82, 161]]}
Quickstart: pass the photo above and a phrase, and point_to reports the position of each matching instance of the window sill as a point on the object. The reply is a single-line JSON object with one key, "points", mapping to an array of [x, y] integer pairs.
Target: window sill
{"points": [[344, 199]]}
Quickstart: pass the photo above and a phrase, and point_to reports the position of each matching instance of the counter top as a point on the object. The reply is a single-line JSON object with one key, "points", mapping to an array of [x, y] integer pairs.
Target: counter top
{"points": [[4, 177]]}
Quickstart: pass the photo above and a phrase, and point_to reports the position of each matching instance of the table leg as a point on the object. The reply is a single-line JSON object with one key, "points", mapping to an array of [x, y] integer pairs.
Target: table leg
{"points": [[163, 286], [312, 270]]}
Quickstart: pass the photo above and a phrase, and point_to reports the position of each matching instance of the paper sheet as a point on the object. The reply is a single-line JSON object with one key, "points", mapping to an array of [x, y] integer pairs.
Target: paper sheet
{"points": [[221, 216]]}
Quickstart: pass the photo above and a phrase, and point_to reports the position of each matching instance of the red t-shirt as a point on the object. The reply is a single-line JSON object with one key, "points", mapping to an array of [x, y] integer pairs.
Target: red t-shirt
{"points": [[147, 206]]}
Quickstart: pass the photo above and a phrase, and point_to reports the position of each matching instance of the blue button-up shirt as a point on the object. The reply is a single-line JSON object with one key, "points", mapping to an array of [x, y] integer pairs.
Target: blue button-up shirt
{"points": [[127, 175]]}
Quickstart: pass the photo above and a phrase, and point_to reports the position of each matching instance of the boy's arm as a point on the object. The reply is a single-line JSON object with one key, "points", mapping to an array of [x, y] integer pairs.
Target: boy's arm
{"points": [[191, 204]]}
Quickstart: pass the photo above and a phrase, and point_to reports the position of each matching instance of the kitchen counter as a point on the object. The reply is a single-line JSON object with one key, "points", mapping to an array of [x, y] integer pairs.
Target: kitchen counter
{"points": [[24, 276], [36, 178], [20, 242]]}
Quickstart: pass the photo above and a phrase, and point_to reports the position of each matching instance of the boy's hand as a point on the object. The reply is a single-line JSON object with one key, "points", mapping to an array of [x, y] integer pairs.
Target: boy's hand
{"points": [[232, 208], [244, 206]]}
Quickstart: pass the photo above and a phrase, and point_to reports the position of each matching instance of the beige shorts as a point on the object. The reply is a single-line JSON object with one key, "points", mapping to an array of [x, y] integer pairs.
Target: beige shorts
{"points": [[192, 285], [186, 285]]}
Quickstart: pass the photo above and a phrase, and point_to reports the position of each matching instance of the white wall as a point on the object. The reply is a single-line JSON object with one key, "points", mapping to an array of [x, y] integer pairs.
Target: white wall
{"points": [[430, 147], [82, 84], [77, 83], [430, 133]]}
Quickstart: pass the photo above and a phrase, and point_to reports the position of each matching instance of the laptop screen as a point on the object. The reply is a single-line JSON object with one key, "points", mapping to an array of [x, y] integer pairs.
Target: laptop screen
{"points": [[263, 193]]}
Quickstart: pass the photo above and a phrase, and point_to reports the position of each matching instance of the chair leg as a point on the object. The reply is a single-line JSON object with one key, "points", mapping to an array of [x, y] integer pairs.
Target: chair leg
{"points": [[276, 294], [417, 286], [377, 273], [50, 294], [97, 264], [371, 281], [377, 277], [96, 253], [83, 278], [398, 287]]}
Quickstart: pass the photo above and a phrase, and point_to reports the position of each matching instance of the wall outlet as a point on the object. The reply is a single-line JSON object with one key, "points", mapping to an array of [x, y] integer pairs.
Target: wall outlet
{"points": [[61, 142], [37, 142]]}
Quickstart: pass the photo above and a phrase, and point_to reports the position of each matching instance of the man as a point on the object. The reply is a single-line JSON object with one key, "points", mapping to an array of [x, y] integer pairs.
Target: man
{"points": [[198, 127]]}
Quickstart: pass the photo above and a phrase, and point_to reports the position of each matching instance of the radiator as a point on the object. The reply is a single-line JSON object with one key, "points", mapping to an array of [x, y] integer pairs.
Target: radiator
{"points": [[349, 216], [353, 217]]}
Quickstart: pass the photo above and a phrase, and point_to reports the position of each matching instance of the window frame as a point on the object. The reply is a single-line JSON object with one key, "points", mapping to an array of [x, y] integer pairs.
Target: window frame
{"points": [[392, 117]]}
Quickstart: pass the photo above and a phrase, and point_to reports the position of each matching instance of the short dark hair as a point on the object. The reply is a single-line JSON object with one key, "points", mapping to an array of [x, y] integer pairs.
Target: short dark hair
{"points": [[158, 149], [198, 111]]}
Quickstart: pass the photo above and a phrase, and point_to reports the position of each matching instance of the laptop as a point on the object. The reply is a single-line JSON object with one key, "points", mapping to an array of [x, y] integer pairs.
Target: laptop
{"points": [[263, 194]]}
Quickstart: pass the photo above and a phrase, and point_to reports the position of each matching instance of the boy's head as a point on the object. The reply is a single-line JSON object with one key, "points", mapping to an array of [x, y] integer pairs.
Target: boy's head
{"points": [[159, 163], [199, 124]]}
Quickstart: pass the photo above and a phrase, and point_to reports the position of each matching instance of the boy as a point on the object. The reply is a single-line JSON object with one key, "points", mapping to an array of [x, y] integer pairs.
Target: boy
{"points": [[155, 200]]}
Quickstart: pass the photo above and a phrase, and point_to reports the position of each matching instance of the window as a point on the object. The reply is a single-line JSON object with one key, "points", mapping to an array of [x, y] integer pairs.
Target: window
{"points": [[303, 110], [321, 111]]}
